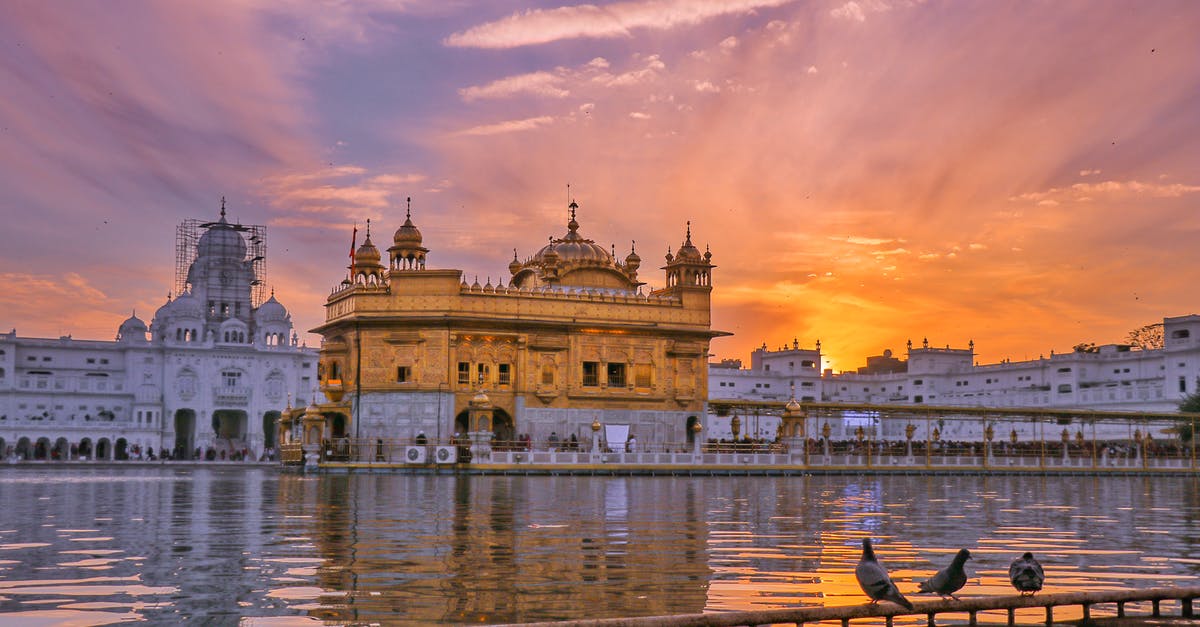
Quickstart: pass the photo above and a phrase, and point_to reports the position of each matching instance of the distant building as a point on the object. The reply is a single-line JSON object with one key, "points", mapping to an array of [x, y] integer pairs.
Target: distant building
{"points": [[570, 342], [1111, 377], [211, 371]]}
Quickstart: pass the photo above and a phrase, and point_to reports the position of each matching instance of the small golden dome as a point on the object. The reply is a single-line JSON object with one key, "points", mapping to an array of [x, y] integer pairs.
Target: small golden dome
{"points": [[480, 399], [407, 235], [697, 427], [596, 424]]}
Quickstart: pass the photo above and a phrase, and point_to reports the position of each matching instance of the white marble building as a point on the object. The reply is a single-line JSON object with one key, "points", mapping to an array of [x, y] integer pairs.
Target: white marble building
{"points": [[1110, 377], [210, 372]]}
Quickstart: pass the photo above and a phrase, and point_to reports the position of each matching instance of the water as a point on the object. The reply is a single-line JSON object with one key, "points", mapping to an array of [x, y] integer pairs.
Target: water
{"points": [[223, 545]]}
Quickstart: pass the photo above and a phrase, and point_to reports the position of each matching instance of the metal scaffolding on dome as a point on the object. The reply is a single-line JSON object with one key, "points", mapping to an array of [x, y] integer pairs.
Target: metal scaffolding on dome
{"points": [[187, 236]]}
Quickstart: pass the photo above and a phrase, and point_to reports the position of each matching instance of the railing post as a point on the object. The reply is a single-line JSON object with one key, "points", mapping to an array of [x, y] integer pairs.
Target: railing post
{"points": [[1049, 616], [931, 622], [1087, 612], [1185, 609], [1156, 613]]}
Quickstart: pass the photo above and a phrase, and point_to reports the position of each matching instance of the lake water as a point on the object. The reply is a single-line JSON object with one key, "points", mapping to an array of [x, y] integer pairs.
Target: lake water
{"points": [[257, 546]]}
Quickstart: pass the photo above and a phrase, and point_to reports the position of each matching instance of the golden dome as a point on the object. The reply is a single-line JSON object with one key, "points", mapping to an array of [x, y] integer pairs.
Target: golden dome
{"points": [[367, 254], [573, 247], [688, 251], [407, 235], [481, 399]]}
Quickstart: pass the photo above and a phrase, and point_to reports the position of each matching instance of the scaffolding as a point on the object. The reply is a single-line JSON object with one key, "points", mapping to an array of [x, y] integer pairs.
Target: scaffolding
{"points": [[187, 236]]}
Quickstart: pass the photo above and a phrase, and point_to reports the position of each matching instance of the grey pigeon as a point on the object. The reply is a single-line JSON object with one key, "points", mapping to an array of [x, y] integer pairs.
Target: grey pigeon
{"points": [[950, 579], [873, 579], [1026, 574]]}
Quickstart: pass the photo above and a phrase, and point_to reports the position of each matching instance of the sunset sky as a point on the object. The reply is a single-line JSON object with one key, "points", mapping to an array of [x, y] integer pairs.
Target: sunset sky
{"points": [[1022, 174]]}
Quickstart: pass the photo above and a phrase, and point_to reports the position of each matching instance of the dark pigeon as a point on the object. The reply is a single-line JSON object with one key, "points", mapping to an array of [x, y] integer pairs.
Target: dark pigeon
{"points": [[874, 580], [1026, 575], [950, 579]]}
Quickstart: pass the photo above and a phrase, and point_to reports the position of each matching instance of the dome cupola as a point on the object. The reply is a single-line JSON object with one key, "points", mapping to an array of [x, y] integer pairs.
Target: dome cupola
{"points": [[221, 240], [271, 311], [367, 268], [132, 330], [406, 252]]}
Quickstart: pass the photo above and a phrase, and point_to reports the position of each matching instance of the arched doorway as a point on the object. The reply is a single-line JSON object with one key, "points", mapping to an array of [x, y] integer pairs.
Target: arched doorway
{"points": [[185, 433], [103, 449], [229, 424], [122, 452], [337, 426], [61, 450], [502, 428], [270, 428], [85, 449], [42, 449], [689, 429], [504, 432], [24, 449]]}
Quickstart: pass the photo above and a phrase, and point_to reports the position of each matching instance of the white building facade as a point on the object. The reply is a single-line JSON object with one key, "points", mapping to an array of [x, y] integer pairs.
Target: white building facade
{"points": [[210, 373], [1109, 378]]}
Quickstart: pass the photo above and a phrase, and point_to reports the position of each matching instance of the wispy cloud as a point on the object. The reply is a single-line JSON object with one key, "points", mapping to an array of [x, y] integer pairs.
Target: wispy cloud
{"points": [[620, 19], [336, 195], [509, 126], [535, 84], [1087, 192]]}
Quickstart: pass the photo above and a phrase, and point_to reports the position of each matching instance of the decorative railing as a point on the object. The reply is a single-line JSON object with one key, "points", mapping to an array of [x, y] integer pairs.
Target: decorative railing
{"points": [[1120, 601]]}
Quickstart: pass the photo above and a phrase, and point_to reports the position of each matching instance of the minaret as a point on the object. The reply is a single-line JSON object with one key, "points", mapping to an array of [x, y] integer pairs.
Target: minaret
{"points": [[368, 269], [406, 252], [688, 269]]}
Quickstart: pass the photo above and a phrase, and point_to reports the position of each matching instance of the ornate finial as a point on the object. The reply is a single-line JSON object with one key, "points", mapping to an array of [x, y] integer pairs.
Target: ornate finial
{"points": [[222, 207], [408, 211], [613, 250], [633, 246], [689, 231], [514, 254], [368, 229], [272, 291]]}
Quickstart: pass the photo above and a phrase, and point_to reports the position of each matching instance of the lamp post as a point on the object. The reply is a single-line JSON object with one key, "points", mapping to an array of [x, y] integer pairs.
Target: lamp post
{"points": [[935, 436], [1066, 442], [1012, 437], [860, 434], [1137, 445], [1079, 439], [988, 434], [735, 426], [825, 434], [696, 428], [909, 430], [596, 434]]}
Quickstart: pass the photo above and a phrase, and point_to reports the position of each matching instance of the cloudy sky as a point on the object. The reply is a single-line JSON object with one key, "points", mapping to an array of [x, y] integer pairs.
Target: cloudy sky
{"points": [[1023, 174]]}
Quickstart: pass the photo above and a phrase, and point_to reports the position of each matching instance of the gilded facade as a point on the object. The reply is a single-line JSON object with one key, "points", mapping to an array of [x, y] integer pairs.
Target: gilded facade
{"points": [[573, 341]]}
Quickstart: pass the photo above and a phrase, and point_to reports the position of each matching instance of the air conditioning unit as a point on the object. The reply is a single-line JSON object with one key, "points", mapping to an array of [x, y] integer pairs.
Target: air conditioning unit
{"points": [[445, 454], [415, 455]]}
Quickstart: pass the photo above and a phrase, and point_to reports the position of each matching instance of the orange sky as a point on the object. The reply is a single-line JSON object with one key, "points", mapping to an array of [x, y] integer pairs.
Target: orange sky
{"points": [[865, 172]]}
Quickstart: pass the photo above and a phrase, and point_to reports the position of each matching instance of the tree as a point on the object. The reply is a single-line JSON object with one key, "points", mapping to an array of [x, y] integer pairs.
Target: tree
{"points": [[1149, 337]]}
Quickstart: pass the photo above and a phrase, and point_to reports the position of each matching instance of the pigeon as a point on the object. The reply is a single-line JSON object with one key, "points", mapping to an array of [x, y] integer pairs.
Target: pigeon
{"points": [[1026, 574], [874, 580], [950, 579]]}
